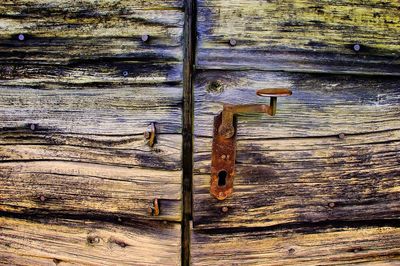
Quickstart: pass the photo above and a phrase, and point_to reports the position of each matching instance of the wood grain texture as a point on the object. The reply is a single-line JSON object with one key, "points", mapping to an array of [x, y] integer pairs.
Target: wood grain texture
{"points": [[69, 187], [125, 151], [60, 32], [78, 87], [103, 175], [300, 35], [347, 246], [120, 110], [297, 180], [321, 105], [70, 242], [291, 168], [83, 68]]}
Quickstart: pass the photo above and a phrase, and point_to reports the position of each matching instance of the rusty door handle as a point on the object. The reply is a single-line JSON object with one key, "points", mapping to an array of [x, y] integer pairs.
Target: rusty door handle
{"points": [[224, 140]]}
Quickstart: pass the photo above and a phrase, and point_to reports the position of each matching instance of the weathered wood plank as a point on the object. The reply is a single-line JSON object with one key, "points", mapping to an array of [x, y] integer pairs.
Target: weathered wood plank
{"points": [[291, 167], [60, 32], [65, 187], [117, 110], [300, 35], [334, 246], [295, 180], [321, 105], [70, 242], [126, 151]]}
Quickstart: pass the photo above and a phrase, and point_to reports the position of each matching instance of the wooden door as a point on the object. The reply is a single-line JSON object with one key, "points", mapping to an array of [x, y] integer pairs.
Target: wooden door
{"points": [[80, 83], [319, 183]]}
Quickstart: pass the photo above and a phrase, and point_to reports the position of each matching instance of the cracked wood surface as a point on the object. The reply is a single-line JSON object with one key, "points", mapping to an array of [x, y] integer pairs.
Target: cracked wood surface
{"points": [[77, 93], [318, 246], [300, 35], [81, 242], [295, 167], [78, 87]]}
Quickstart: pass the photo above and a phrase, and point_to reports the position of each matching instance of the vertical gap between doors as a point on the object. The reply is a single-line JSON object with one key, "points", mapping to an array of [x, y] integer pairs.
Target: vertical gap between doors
{"points": [[189, 33]]}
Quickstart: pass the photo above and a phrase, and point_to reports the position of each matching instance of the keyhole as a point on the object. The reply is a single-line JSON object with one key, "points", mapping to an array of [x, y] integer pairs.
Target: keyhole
{"points": [[222, 178]]}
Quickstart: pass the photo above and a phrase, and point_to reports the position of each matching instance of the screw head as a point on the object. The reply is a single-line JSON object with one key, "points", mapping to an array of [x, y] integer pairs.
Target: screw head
{"points": [[357, 47], [232, 42], [224, 209], [331, 204], [32, 127], [42, 198], [342, 136], [125, 73], [21, 37], [223, 156], [145, 37]]}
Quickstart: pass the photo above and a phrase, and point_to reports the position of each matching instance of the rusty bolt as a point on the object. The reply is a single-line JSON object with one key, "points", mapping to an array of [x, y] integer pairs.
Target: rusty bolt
{"points": [[224, 209], [232, 42], [357, 47], [331, 204], [145, 37], [342, 136], [154, 208]]}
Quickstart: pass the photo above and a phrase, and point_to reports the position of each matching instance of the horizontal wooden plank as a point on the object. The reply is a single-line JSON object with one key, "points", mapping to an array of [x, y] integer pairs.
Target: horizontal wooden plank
{"points": [[60, 32], [78, 188], [108, 5], [334, 246], [321, 105], [125, 151], [300, 35], [296, 180], [70, 242], [94, 73], [117, 110]]}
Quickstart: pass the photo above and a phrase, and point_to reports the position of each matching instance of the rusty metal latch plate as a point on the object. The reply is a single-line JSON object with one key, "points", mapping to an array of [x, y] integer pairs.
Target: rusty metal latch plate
{"points": [[224, 140], [223, 161]]}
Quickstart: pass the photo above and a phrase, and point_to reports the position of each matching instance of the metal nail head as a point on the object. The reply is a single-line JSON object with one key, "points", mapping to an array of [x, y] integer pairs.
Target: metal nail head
{"points": [[357, 47]]}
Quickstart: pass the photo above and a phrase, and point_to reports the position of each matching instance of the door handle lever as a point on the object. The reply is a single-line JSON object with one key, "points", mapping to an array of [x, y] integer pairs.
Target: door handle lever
{"points": [[224, 140]]}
